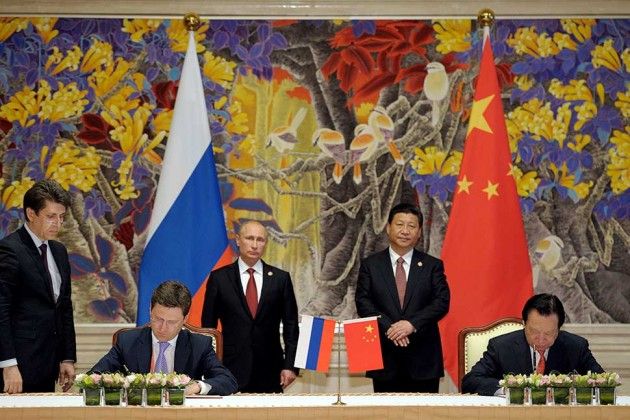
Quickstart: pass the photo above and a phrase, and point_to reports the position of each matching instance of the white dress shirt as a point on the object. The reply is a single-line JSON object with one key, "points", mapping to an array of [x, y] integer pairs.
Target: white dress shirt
{"points": [[407, 257], [258, 275]]}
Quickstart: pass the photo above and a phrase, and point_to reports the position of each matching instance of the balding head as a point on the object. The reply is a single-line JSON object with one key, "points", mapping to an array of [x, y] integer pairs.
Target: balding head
{"points": [[251, 240]]}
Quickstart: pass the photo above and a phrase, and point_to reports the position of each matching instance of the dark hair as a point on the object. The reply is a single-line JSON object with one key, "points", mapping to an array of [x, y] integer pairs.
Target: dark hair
{"points": [[407, 208], [172, 294], [45, 190], [545, 304]]}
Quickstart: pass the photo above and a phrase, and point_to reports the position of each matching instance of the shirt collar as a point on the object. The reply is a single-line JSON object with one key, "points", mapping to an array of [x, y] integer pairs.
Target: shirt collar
{"points": [[155, 341], [38, 242], [242, 267], [394, 256]]}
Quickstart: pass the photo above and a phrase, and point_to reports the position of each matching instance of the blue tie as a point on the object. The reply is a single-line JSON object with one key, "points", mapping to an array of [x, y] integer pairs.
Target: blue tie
{"points": [[160, 362]]}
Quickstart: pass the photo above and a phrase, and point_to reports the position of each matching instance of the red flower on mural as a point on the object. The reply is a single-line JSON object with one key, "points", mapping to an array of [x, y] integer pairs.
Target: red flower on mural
{"points": [[165, 93], [396, 52], [95, 131]]}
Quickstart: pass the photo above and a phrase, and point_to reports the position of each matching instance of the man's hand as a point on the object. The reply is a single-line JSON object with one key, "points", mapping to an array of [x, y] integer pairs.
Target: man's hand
{"points": [[66, 375], [193, 388], [12, 379], [399, 332], [287, 376]]}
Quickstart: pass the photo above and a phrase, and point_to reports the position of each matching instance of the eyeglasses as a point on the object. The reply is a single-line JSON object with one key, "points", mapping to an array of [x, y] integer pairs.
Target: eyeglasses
{"points": [[157, 321]]}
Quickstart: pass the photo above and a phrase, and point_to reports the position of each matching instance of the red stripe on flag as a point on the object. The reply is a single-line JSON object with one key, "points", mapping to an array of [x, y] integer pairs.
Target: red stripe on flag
{"points": [[196, 308], [328, 334]]}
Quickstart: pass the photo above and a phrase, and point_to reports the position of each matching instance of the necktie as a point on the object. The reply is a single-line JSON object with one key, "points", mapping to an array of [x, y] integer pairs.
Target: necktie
{"points": [[44, 251], [160, 362], [251, 294], [401, 280], [540, 367]]}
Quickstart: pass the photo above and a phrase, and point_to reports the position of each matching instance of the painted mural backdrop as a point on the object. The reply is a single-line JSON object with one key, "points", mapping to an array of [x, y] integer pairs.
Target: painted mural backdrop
{"points": [[318, 128]]}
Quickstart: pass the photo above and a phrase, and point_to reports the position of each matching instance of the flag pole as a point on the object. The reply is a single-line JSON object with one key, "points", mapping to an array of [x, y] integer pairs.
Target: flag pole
{"points": [[338, 402], [485, 18]]}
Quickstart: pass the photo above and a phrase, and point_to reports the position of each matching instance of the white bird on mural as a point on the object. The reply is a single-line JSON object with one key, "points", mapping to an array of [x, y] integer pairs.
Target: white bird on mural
{"points": [[547, 256], [284, 138], [436, 88]]}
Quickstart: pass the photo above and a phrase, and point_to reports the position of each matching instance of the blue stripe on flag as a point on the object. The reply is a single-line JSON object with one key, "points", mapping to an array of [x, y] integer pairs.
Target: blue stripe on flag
{"points": [[190, 239], [314, 343]]}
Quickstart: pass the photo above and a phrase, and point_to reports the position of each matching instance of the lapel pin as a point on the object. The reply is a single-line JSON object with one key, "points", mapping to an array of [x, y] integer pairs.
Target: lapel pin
{"points": [[419, 263], [270, 273]]}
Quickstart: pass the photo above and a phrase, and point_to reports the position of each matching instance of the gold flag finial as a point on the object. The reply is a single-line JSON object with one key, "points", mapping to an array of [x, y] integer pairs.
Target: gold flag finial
{"points": [[192, 21], [485, 17]]}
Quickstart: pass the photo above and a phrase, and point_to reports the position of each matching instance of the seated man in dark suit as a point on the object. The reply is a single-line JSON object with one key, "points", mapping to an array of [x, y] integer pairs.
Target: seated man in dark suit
{"points": [[166, 347], [539, 347]]}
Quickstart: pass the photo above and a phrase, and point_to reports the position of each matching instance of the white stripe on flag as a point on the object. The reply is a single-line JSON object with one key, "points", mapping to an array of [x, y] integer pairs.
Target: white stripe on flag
{"points": [[304, 339]]}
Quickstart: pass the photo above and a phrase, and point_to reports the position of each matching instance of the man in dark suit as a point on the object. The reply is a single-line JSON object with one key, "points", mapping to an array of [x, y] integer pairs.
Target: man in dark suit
{"points": [[166, 347], [37, 340], [250, 298], [407, 289], [540, 347]]}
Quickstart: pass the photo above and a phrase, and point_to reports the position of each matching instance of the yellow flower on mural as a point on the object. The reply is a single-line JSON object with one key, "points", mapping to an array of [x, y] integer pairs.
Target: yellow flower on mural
{"points": [[218, 69], [238, 122], [45, 27], [71, 165], [13, 195], [605, 55], [576, 90], [98, 55], [433, 160], [524, 82], [579, 28], [527, 183], [579, 142], [120, 100], [68, 101], [9, 26], [362, 113], [69, 62], [619, 167], [137, 28], [453, 35], [178, 35], [623, 103], [103, 81], [125, 186], [585, 113], [564, 41], [162, 120], [563, 177]]}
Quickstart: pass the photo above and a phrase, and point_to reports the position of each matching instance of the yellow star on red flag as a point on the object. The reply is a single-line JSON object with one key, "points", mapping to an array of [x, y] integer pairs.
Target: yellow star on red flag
{"points": [[491, 189], [464, 185], [477, 120]]}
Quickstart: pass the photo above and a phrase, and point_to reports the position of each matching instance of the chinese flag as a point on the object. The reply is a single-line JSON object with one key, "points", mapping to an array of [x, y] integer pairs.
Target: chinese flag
{"points": [[363, 344], [485, 249]]}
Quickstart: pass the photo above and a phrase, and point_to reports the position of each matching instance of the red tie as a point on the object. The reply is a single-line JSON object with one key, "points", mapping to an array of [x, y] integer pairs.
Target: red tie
{"points": [[401, 280], [251, 294], [540, 367]]}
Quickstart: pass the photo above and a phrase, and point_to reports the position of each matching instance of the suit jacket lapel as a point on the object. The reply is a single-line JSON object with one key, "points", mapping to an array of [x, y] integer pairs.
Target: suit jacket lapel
{"points": [[182, 352], [414, 278], [235, 279], [387, 273], [267, 286], [37, 261], [523, 354], [555, 359], [144, 352]]}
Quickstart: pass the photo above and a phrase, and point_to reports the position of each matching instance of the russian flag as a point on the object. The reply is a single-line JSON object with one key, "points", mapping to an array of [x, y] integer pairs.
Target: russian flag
{"points": [[187, 236], [315, 343]]}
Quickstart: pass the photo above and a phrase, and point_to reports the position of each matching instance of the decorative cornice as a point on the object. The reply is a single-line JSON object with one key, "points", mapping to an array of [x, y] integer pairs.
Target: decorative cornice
{"points": [[317, 9]]}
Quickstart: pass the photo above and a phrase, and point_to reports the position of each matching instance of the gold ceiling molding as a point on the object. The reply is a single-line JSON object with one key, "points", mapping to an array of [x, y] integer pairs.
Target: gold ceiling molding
{"points": [[316, 9]]}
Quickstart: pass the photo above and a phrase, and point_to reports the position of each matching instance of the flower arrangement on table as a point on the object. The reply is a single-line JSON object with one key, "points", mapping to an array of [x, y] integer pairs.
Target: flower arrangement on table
{"points": [[175, 386], [561, 385], [515, 387], [606, 383], [155, 383], [539, 384], [113, 385], [135, 384], [90, 387]]}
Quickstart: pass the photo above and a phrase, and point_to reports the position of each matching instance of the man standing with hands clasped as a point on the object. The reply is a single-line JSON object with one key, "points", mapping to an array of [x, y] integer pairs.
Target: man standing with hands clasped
{"points": [[407, 289], [37, 340], [251, 298]]}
